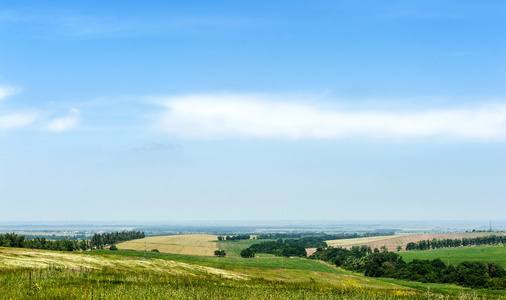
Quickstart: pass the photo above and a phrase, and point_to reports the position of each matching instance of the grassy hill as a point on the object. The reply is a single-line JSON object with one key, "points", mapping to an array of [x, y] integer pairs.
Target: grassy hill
{"points": [[496, 254], [43, 274]]}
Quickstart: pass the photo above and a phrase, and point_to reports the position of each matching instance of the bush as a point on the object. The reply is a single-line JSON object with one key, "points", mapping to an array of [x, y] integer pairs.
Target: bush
{"points": [[247, 253], [155, 250], [113, 247]]}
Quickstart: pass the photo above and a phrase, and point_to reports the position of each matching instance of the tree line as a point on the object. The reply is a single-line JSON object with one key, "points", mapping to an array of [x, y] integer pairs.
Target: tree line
{"points": [[297, 246], [274, 247], [288, 247], [389, 264], [234, 237], [454, 243], [98, 241], [322, 237]]}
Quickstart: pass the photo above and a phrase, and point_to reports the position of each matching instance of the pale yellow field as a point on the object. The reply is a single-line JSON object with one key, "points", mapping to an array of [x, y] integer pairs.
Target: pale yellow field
{"points": [[358, 241], [189, 244], [393, 241], [11, 258]]}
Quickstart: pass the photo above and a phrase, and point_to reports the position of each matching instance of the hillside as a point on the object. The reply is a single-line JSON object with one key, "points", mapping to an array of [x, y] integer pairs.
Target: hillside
{"points": [[15, 258], [44, 274], [495, 254]]}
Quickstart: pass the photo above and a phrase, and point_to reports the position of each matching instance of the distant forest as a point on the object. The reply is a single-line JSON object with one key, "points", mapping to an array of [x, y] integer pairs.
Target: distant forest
{"points": [[98, 241], [323, 237]]}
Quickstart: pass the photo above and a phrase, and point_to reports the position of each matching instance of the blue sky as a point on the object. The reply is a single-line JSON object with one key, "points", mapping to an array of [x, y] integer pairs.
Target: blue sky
{"points": [[258, 110]]}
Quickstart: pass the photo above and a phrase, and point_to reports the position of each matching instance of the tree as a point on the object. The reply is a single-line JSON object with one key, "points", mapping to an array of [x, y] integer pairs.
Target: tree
{"points": [[247, 253], [220, 253], [399, 248], [113, 247], [83, 245]]}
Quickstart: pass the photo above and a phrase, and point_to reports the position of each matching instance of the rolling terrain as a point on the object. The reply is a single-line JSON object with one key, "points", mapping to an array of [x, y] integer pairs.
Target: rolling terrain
{"points": [[44, 274]]}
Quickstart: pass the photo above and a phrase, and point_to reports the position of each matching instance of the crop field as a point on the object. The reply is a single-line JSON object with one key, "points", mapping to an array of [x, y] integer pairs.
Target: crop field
{"points": [[190, 244], [234, 248], [496, 254], [393, 241], [359, 241]]}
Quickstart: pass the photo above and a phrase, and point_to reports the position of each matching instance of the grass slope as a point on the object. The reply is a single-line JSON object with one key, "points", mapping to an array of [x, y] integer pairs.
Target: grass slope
{"points": [[496, 254], [39, 274], [191, 244]]}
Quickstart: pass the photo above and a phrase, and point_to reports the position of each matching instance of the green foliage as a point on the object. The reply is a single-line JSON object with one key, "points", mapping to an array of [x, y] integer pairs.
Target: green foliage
{"points": [[155, 250], [98, 241], [390, 264], [340, 256], [236, 237], [220, 253], [113, 247], [248, 253], [278, 248]]}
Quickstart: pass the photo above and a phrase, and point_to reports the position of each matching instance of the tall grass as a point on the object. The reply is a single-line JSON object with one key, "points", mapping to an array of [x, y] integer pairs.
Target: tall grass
{"points": [[108, 283]]}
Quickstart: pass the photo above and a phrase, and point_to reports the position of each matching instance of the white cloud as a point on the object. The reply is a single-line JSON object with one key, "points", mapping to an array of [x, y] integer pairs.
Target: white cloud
{"points": [[63, 123], [18, 120], [215, 116], [6, 91]]}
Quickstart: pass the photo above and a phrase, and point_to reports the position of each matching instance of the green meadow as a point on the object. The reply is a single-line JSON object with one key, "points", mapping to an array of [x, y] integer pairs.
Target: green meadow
{"points": [[495, 254]]}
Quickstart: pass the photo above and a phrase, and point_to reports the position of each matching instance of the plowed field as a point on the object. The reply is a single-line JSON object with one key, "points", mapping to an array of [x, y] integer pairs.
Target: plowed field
{"points": [[391, 242]]}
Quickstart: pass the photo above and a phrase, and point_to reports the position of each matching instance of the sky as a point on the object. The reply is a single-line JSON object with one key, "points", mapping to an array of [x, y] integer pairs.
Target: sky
{"points": [[252, 110]]}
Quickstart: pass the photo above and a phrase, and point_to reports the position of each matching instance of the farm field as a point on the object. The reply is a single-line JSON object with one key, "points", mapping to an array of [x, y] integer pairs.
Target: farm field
{"points": [[496, 254], [392, 242], [39, 274], [190, 244], [359, 241], [234, 248]]}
